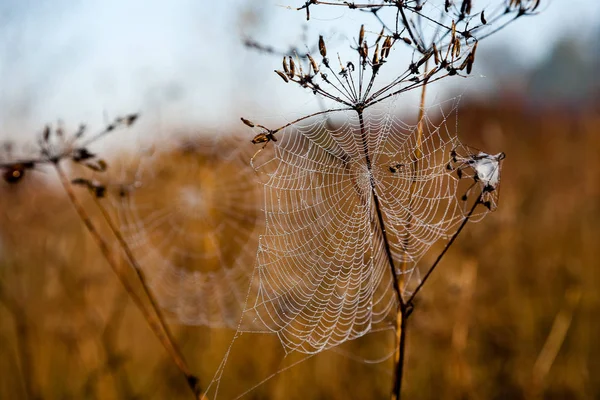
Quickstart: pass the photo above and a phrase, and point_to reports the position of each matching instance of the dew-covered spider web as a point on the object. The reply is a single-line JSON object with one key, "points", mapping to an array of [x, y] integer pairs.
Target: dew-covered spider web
{"points": [[192, 216], [323, 275]]}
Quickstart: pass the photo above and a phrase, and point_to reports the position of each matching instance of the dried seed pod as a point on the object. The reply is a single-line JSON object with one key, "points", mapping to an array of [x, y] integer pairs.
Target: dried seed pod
{"points": [[313, 63], [322, 48], [283, 76], [447, 5], [361, 35], [380, 35], [342, 68], [292, 72], [474, 50], [81, 182], [131, 118], [483, 20], [457, 48], [436, 57], [406, 40], [469, 63], [453, 31], [471, 59], [97, 189], [286, 68], [363, 51], [424, 59], [14, 173], [260, 138], [465, 7], [465, 63], [301, 72], [387, 45], [264, 137], [98, 166], [430, 74], [82, 154], [247, 122], [376, 55]]}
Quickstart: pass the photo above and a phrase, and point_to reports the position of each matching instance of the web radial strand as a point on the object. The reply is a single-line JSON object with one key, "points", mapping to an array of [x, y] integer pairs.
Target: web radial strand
{"points": [[323, 273], [421, 197], [192, 216]]}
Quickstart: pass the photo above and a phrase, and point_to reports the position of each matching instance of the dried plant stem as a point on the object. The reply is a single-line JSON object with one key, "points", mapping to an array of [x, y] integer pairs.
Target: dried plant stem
{"points": [[152, 319], [401, 314], [443, 253], [140, 274], [554, 341], [418, 153], [400, 350]]}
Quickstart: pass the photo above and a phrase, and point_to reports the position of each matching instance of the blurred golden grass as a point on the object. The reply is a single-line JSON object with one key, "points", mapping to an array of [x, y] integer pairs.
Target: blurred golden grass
{"points": [[67, 330]]}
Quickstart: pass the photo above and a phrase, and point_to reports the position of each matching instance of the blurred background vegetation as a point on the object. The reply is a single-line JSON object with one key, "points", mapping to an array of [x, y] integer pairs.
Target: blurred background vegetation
{"points": [[511, 313], [483, 327]]}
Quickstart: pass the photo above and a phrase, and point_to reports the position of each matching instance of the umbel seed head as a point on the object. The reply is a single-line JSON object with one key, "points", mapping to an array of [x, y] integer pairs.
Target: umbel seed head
{"points": [[361, 35]]}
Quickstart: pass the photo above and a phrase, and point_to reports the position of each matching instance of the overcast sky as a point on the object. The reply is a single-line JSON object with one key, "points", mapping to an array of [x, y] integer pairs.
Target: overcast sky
{"points": [[182, 62]]}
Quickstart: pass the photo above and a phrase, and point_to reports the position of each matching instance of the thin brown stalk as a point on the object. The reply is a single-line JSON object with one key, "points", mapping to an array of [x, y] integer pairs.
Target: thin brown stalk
{"points": [[151, 319], [554, 341], [418, 153], [401, 315], [443, 253], [139, 272]]}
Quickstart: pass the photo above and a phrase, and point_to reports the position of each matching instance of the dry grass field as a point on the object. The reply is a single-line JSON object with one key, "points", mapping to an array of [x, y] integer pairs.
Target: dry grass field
{"points": [[512, 312]]}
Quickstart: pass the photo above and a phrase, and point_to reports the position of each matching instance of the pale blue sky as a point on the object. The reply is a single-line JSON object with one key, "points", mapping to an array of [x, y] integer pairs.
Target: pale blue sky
{"points": [[182, 62]]}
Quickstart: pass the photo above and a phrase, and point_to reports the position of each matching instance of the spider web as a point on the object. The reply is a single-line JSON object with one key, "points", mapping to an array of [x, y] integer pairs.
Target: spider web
{"points": [[191, 216], [322, 275]]}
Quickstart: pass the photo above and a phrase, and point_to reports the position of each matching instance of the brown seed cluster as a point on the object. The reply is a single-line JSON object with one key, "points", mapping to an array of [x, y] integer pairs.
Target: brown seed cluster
{"points": [[55, 146]]}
